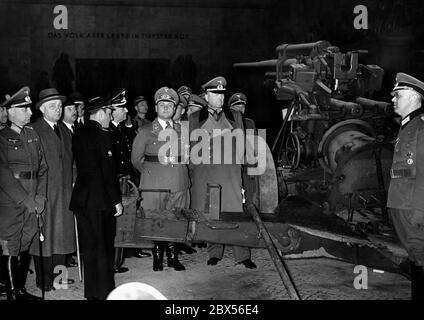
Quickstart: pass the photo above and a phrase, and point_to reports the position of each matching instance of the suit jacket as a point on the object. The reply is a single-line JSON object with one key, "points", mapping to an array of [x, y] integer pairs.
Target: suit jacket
{"points": [[58, 220], [155, 175], [97, 186], [406, 189]]}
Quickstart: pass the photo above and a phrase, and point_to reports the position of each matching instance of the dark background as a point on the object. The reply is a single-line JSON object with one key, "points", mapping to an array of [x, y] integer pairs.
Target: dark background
{"points": [[205, 39]]}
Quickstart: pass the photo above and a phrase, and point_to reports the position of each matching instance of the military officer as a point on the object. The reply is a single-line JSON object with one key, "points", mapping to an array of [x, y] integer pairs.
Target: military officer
{"points": [[180, 110], [96, 198], [23, 183], [195, 103], [185, 91], [141, 106], [228, 176], [162, 171], [3, 115], [406, 190], [238, 103]]}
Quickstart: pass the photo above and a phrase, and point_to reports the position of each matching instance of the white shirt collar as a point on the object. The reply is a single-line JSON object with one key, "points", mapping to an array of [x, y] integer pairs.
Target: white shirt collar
{"points": [[51, 124], [163, 123], [115, 123], [69, 126]]}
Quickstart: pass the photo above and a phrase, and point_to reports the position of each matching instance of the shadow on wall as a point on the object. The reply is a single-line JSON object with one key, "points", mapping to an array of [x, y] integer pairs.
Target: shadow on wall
{"points": [[63, 76]]}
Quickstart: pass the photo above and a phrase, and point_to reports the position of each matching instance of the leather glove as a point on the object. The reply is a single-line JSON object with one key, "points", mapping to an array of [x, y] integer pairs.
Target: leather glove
{"points": [[30, 204], [119, 210], [41, 202]]}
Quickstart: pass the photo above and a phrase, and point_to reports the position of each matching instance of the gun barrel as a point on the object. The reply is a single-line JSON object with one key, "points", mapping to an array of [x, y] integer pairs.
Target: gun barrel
{"points": [[374, 104], [302, 47], [258, 64]]}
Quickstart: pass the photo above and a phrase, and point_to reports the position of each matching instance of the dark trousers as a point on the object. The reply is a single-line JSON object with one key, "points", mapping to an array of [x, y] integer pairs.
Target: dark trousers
{"points": [[48, 268], [96, 237]]}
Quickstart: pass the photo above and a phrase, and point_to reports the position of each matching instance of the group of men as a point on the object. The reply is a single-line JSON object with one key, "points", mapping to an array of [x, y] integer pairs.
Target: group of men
{"points": [[61, 174], [41, 190]]}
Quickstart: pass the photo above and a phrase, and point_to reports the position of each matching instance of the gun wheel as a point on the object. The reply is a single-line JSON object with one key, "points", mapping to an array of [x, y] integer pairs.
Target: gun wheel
{"points": [[292, 150]]}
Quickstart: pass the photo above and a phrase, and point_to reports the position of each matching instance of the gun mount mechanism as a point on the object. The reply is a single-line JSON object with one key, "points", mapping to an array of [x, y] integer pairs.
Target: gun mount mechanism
{"points": [[332, 145]]}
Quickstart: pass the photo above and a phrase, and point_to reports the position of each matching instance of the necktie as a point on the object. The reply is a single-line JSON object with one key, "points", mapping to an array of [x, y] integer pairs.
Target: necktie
{"points": [[73, 128], [168, 125], [217, 114], [56, 130]]}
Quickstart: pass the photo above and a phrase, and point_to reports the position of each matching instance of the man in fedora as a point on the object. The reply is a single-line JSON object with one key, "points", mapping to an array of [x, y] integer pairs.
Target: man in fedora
{"points": [[79, 102], [59, 228], [23, 181], [405, 197], [96, 198]]}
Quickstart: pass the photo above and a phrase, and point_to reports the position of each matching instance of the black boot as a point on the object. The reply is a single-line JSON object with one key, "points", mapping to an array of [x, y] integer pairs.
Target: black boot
{"points": [[5, 267], [23, 267], [118, 261], [157, 252], [417, 282], [172, 258]]}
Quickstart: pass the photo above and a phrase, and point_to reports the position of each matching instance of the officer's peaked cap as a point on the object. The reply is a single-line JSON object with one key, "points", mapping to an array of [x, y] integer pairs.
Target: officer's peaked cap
{"points": [[216, 85], [407, 82], [166, 94], [237, 98], [19, 99]]}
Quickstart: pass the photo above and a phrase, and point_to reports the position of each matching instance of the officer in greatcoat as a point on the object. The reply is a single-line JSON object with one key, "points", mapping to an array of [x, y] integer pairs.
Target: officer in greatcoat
{"points": [[238, 102], [162, 171], [406, 190], [23, 183], [58, 220], [228, 174], [96, 198]]}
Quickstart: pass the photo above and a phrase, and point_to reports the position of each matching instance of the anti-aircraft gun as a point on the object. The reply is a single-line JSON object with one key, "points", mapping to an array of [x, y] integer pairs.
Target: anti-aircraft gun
{"points": [[333, 145]]}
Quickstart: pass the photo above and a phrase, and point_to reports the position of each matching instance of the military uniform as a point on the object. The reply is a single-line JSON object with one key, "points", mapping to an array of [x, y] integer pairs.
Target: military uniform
{"points": [[162, 171], [228, 176], [250, 183], [95, 195], [406, 190], [23, 182]]}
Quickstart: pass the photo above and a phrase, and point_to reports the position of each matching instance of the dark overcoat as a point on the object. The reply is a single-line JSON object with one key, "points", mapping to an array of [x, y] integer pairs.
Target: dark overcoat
{"points": [[96, 186], [228, 176], [59, 228]]}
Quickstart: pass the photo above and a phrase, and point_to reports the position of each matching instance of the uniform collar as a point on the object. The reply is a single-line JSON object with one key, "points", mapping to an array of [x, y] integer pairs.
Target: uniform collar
{"points": [[163, 123], [410, 117]]}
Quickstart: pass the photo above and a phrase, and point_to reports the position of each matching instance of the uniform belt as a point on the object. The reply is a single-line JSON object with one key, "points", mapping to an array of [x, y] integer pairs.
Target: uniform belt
{"points": [[400, 173], [167, 159], [25, 175]]}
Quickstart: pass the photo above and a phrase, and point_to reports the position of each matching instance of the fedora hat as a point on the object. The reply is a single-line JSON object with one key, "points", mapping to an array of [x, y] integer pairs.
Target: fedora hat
{"points": [[48, 95]]}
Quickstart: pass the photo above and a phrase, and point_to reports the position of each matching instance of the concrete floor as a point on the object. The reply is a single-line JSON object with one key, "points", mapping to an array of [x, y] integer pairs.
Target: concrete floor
{"points": [[316, 276]]}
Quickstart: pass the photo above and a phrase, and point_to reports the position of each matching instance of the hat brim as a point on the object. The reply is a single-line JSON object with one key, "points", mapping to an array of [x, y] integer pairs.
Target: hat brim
{"points": [[98, 108], [39, 103], [218, 91], [169, 100]]}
